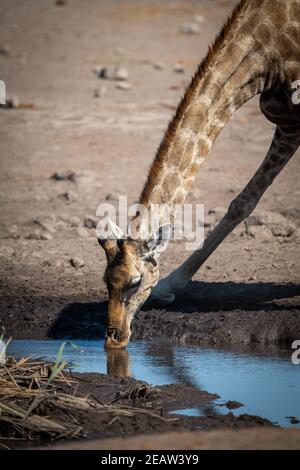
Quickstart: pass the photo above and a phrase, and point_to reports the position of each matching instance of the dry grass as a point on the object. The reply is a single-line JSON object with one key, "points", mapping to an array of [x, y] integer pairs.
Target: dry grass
{"points": [[38, 400]]}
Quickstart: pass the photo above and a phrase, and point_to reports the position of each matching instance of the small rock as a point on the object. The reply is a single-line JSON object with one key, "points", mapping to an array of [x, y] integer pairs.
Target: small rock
{"points": [[46, 236], [101, 71], [265, 225], [232, 405], [179, 68], [111, 197], [13, 232], [65, 175], [44, 223], [293, 419], [199, 19], [34, 235], [120, 74], [11, 102], [62, 263], [76, 263], [100, 93], [60, 3], [159, 65], [85, 178], [71, 220], [4, 50], [123, 86], [90, 221], [213, 217], [252, 278], [190, 28], [70, 196]]}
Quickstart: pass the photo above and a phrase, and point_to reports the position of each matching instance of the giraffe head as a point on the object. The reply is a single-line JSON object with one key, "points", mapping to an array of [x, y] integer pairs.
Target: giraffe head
{"points": [[131, 272]]}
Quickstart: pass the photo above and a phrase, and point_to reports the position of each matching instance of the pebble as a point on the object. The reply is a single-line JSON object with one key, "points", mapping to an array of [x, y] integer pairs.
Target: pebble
{"points": [[199, 19], [111, 197], [4, 50], [76, 262], [293, 419], [65, 175], [179, 68], [70, 196], [121, 74], [191, 28], [34, 235], [101, 71], [232, 405], [159, 65], [46, 236], [61, 263], [13, 232], [45, 224], [99, 93], [123, 86], [90, 221], [12, 102], [266, 225], [71, 220]]}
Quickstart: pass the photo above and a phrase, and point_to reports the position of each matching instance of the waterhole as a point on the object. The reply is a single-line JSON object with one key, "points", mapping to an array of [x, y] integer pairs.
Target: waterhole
{"points": [[264, 380]]}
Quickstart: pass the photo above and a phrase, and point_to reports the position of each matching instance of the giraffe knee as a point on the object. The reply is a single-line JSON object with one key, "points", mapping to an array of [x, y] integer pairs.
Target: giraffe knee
{"points": [[239, 209]]}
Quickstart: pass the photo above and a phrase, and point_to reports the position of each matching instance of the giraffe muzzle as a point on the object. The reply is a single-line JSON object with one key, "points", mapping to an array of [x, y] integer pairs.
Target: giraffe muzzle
{"points": [[114, 339]]}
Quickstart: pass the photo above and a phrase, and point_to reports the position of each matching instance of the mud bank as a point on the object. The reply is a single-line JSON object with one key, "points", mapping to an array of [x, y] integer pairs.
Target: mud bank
{"points": [[204, 313], [157, 402]]}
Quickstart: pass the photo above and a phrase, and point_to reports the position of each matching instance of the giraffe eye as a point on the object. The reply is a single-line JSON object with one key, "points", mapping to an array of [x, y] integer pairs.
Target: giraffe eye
{"points": [[136, 281]]}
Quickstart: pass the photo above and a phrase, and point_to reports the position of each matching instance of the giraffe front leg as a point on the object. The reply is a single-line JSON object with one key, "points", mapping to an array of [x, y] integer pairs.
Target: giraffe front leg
{"points": [[164, 292], [284, 145]]}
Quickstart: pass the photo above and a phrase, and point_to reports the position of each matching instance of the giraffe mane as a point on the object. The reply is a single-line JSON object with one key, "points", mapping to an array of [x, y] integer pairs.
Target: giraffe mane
{"points": [[161, 153]]}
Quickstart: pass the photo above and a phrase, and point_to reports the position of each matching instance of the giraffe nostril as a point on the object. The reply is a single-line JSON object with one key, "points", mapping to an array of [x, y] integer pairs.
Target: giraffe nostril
{"points": [[113, 333], [110, 332]]}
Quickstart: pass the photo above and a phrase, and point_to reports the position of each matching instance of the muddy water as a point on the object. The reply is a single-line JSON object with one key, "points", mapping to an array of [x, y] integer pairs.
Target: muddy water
{"points": [[264, 380]]}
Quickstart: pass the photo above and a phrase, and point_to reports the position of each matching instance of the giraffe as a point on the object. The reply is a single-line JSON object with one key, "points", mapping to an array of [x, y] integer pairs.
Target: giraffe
{"points": [[256, 52]]}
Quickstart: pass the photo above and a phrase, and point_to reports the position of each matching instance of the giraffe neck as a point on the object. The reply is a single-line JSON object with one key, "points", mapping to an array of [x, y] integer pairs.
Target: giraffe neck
{"points": [[233, 72]]}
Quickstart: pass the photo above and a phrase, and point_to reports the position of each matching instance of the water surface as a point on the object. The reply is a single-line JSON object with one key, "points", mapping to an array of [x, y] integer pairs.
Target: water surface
{"points": [[265, 381]]}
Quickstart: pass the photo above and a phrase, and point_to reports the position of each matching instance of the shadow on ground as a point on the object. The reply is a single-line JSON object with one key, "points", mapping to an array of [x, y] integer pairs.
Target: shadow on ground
{"points": [[226, 296], [87, 319], [80, 320]]}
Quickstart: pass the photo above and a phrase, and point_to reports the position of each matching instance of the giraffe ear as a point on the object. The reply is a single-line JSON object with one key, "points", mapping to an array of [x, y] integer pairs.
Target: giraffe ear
{"points": [[108, 237], [108, 230], [159, 241]]}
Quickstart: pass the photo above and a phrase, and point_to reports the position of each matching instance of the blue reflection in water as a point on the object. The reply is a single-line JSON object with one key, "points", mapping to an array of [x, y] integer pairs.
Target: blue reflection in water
{"points": [[267, 384]]}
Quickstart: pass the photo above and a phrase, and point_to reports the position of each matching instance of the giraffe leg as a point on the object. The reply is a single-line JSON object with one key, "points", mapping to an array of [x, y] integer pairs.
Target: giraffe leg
{"points": [[285, 143]]}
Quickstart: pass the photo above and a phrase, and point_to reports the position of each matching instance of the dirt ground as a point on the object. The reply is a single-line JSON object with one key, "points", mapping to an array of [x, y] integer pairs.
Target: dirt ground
{"points": [[106, 143], [224, 439]]}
